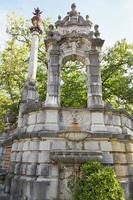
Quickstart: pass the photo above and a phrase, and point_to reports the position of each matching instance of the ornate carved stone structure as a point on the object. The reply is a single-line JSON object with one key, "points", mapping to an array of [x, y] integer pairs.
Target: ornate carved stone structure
{"points": [[74, 40], [52, 142]]}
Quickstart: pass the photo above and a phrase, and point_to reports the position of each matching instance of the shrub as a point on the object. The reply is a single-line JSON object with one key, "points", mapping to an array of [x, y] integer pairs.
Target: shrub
{"points": [[96, 182]]}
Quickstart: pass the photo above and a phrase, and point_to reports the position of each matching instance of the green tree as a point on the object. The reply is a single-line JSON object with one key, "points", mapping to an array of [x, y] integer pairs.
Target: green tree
{"points": [[117, 75], [96, 182], [74, 85]]}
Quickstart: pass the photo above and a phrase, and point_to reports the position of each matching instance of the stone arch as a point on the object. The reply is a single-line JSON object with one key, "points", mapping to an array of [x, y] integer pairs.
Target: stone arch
{"points": [[79, 56], [70, 56]]}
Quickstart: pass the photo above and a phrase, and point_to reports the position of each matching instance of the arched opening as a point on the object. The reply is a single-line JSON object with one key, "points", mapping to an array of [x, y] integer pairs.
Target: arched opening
{"points": [[73, 83]]}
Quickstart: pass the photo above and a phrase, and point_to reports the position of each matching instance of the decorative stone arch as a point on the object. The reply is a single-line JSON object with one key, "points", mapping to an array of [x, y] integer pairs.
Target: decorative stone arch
{"points": [[79, 56], [73, 40]]}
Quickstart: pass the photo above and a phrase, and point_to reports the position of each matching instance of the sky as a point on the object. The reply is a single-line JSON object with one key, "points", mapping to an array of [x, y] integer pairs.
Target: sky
{"points": [[114, 17]]}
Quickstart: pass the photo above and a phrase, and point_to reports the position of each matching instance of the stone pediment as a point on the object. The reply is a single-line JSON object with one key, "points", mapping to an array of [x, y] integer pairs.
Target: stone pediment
{"points": [[73, 22], [73, 18]]}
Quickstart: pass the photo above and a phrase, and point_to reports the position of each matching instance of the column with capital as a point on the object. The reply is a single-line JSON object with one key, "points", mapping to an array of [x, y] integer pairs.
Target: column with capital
{"points": [[53, 86], [30, 96], [94, 73]]}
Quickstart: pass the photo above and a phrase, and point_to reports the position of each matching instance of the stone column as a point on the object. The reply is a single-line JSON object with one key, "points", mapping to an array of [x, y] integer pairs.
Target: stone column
{"points": [[30, 92], [30, 96], [53, 86], [94, 80], [33, 57]]}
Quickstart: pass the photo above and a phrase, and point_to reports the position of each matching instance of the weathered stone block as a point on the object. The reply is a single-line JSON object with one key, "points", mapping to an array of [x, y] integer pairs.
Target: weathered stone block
{"points": [[30, 128], [25, 156], [51, 116], [15, 146], [106, 146], [58, 144], [129, 158], [79, 145], [97, 118], [34, 145], [32, 118], [38, 127], [39, 189], [45, 145], [70, 145], [119, 158], [52, 192], [129, 131], [95, 78], [26, 145], [43, 157], [20, 146], [54, 171], [33, 157], [23, 169], [114, 129], [116, 120], [98, 122], [1, 150], [107, 158], [19, 157], [17, 168], [92, 145], [118, 146], [41, 117], [117, 129], [13, 156], [51, 122], [66, 118], [108, 118], [130, 170], [121, 170], [31, 170], [43, 170]]}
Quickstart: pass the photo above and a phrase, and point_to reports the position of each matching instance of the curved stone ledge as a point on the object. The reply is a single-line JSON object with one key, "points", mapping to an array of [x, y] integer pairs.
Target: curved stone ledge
{"points": [[102, 109], [72, 156], [60, 134]]}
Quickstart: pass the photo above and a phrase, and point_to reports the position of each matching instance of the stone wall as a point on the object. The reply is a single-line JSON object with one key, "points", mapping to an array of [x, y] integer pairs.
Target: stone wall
{"points": [[53, 143], [48, 163], [57, 119]]}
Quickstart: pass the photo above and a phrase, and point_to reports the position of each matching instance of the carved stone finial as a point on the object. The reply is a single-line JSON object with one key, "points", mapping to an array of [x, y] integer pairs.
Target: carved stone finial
{"points": [[36, 20], [73, 12], [73, 6], [51, 30], [37, 12], [96, 33], [59, 18], [87, 17]]}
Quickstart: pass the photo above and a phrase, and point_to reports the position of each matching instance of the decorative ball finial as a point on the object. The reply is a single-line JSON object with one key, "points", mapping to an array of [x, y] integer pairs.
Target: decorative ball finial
{"points": [[59, 17], [73, 6], [73, 12]]}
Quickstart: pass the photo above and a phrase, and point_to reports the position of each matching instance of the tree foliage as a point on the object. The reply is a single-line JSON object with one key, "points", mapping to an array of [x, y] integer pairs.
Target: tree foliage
{"points": [[96, 182], [117, 71], [74, 85], [117, 75]]}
